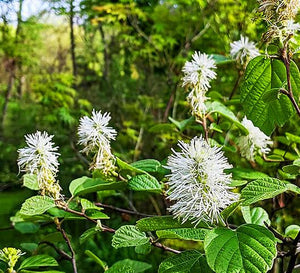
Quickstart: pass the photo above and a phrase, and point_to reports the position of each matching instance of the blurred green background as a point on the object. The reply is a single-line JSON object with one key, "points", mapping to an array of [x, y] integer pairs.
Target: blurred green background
{"points": [[61, 59]]}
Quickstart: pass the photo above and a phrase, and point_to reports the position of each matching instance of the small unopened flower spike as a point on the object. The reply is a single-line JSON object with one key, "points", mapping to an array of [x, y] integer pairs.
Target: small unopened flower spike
{"points": [[198, 185], [95, 135], [40, 157], [10, 256], [243, 50], [256, 142]]}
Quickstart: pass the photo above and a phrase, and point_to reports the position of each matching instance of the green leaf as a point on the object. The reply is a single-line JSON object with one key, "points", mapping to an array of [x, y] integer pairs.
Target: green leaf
{"points": [[181, 125], [194, 234], [37, 261], [271, 95], [120, 268], [191, 261], [144, 182], [31, 247], [236, 183], [87, 234], [94, 214], [218, 107], [248, 249], [136, 266], [263, 75], [47, 271], [163, 222], [30, 181], [27, 227], [147, 165], [292, 138], [86, 185], [127, 236], [292, 231], [255, 216], [291, 169], [125, 166], [143, 249], [54, 237], [243, 173], [96, 259], [215, 127], [229, 210], [37, 205], [88, 205], [265, 188], [221, 59]]}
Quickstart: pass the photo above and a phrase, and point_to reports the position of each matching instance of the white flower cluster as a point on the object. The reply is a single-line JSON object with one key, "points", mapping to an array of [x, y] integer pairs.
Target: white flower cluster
{"points": [[198, 185], [198, 74], [243, 50], [95, 134], [256, 142], [40, 157]]}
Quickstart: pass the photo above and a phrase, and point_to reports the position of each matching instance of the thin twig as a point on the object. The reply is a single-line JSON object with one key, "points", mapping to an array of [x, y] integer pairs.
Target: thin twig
{"points": [[64, 234], [294, 254], [278, 235], [123, 210], [240, 74], [286, 60], [111, 230], [59, 251], [166, 248], [292, 99]]}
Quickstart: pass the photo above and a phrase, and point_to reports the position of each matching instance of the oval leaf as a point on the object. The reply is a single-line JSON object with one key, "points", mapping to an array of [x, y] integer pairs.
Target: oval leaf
{"points": [[257, 216], [30, 182], [195, 234], [163, 222], [185, 262], [86, 185], [144, 182], [136, 266], [249, 249], [37, 205], [37, 261], [261, 76], [265, 188], [127, 236], [147, 165]]}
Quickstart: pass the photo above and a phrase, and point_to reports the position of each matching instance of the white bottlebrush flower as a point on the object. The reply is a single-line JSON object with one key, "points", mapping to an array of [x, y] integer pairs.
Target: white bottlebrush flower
{"points": [[39, 153], [40, 157], [198, 185], [95, 134], [256, 142], [291, 27], [200, 71], [242, 49]]}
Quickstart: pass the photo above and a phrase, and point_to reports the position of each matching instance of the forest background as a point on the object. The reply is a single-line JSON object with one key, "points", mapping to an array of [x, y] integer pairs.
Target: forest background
{"points": [[125, 57]]}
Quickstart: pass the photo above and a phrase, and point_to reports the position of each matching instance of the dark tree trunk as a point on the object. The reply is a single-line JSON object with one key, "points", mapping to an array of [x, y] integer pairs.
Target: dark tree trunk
{"points": [[105, 53], [72, 38], [11, 68]]}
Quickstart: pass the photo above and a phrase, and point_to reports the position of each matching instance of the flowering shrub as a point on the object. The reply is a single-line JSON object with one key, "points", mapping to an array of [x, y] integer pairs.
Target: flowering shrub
{"points": [[202, 189]]}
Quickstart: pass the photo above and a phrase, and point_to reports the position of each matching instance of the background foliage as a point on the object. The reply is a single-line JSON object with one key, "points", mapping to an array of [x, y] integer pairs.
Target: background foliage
{"points": [[124, 57]]}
